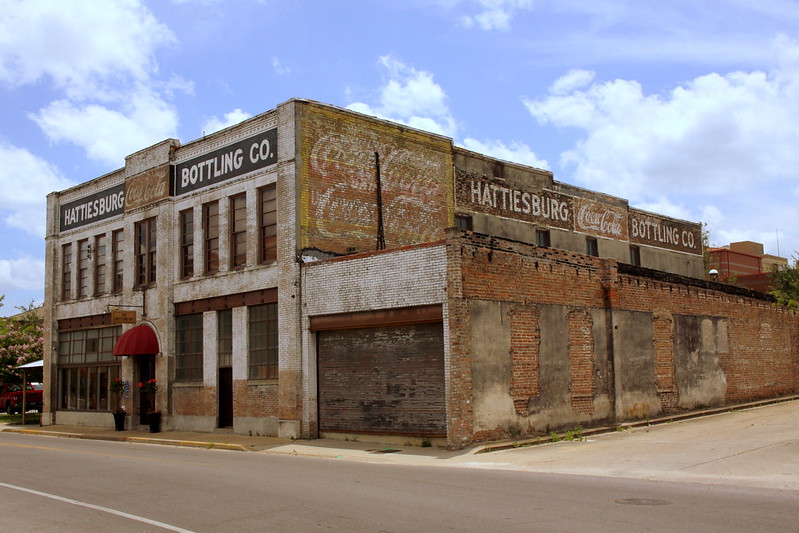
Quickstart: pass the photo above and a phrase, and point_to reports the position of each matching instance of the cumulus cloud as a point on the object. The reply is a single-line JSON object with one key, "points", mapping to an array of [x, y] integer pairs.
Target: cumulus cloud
{"points": [[730, 136], [24, 273], [50, 39], [494, 14], [26, 179], [108, 135], [411, 97], [517, 152], [215, 124]]}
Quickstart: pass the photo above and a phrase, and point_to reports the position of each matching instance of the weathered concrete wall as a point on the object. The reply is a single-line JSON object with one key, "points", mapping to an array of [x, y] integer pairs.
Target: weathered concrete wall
{"points": [[542, 339]]}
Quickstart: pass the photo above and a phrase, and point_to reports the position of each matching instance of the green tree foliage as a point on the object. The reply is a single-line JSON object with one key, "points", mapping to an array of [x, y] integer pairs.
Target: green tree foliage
{"points": [[21, 341], [786, 284]]}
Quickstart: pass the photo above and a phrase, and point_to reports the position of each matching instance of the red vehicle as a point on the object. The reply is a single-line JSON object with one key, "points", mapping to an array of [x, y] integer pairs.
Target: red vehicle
{"points": [[11, 397]]}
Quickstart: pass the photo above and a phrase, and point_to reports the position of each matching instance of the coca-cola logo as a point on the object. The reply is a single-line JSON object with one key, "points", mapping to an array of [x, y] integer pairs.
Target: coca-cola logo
{"points": [[602, 221]]}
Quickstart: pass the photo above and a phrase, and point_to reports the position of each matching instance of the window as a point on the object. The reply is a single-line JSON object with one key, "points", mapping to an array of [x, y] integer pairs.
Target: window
{"points": [[591, 246], [542, 237], [224, 337], [187, 243], [86, 368], [635, 255], [211, 236], [117, 264], [263, 341], [463, 222], [189, 347], [267, 244], [100, 264], [66, 272], [83, 268], [238, 230], [145, 252]]}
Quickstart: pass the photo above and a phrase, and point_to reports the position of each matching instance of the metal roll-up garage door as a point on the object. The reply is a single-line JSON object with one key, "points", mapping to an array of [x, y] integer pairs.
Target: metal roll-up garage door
{"points": [[387, 380]]}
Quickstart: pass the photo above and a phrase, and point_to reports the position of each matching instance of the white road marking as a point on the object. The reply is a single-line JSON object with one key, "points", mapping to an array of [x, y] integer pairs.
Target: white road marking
{"points": [[98, 508]]}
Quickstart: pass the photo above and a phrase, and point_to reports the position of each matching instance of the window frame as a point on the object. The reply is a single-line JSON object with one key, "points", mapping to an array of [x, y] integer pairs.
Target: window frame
{"points": [[82, 289], [263, 336], [66, 271], [189, 348], [117, 260], [592, 246], [186, 223], [237, 228], [146, 246], [543, 238], [267, 224], [100, 264], [211, 237]]}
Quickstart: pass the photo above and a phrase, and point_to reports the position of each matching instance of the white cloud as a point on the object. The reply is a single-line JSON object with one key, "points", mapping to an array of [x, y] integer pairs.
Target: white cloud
{"points": [[279, 68], [494, 14], [411, 97], [729, 137], [517, 152], [25, 273], [215, 124], [26, 181], [82, 47], [106, 134]]}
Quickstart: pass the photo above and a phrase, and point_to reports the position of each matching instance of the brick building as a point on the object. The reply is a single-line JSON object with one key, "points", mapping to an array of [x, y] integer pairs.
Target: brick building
{"points": [[745, 264], [314, 271]]}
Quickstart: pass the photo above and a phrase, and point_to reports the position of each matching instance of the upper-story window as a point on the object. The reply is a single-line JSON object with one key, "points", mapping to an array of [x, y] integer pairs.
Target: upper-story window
{"points": [[591, 246], [542, 238], [464, 222], [117, 262], [100, 264], [187, 243], [267, 243], [66, 272], [83, 268], [635, 255], [145, 252], [238, 230], [211, 237]]}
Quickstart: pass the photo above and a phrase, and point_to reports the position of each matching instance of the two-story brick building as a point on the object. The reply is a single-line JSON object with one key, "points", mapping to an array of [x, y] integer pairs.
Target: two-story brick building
{"points": [[294, 275]]}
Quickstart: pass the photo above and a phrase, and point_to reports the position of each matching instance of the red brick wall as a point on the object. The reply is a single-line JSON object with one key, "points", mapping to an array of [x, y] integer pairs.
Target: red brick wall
{"points": [[758, 351]]}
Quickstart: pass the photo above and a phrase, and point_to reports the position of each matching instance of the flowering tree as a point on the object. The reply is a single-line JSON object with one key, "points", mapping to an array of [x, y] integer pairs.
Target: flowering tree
{"points": [[21, 341]]}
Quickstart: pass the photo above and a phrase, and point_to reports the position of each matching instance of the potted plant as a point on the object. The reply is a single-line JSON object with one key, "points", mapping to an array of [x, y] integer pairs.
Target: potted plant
{"points": [[118, 387], [148, 389]]}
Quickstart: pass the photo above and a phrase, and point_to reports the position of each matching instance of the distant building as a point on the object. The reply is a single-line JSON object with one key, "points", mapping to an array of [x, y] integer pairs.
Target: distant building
{"points": [[744, 264]]}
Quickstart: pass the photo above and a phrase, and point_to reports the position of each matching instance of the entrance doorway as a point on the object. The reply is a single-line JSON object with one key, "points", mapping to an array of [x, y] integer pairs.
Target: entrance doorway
{"points": [[145, 369], [225, 391]]}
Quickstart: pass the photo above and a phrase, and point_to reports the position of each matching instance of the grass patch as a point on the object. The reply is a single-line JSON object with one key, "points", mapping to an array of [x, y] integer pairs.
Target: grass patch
{"points": [[16, 420]]}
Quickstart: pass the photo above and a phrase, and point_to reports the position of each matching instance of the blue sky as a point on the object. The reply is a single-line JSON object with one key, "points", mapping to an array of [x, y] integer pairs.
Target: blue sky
{"points": [[687, 108]]}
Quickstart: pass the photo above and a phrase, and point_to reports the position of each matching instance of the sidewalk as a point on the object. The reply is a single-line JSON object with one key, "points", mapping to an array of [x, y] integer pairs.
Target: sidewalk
{"points": [[754, 446]]}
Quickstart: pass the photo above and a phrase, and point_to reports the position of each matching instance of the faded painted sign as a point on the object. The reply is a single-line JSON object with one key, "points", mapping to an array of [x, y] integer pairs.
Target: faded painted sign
{"points": [[146, 188], [340, 175], [646, 228], [98, 206], [495, 197], [226, 163], [600, 219]]}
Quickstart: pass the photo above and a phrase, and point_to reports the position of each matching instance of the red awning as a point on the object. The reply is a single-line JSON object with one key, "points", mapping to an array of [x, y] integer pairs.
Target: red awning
{"points": [[140, 340]]}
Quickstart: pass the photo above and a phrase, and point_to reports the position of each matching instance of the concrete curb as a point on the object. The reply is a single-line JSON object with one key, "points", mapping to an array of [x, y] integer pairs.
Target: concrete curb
{"points": [[475, 450], [138, 440]]}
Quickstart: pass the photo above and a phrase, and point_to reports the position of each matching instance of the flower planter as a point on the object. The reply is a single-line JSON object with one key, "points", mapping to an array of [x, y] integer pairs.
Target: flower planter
{"points": [[119, 421], [154, 419]]}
